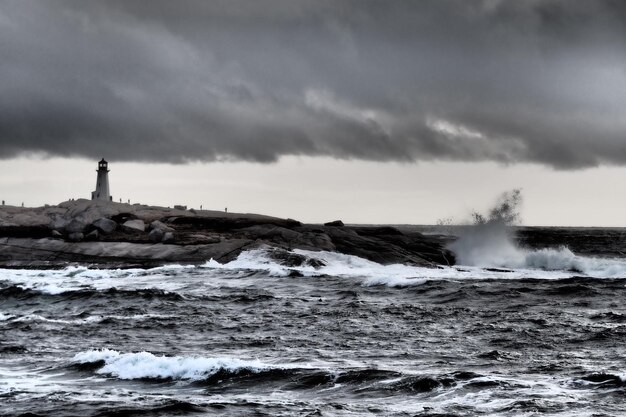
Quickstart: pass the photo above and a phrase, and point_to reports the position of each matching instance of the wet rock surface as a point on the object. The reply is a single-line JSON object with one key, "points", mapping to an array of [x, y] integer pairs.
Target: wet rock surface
{"points": [[108, 234]]}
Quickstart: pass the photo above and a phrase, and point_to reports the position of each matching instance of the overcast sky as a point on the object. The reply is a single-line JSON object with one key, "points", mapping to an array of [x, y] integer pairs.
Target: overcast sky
{"points": [[365, 104]]}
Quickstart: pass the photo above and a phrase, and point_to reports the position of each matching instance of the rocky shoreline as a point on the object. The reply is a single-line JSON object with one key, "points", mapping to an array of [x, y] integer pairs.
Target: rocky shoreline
{"points": [[114, 235]]}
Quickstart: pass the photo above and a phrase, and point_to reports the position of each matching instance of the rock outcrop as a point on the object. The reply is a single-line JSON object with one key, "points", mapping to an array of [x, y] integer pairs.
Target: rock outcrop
{"points": [[105, 225], [135, 225], [108, 234], [336, 223]]}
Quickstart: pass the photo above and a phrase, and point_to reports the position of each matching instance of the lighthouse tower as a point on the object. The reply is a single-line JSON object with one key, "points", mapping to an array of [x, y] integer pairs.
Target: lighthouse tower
{"points": [[102, 183]]}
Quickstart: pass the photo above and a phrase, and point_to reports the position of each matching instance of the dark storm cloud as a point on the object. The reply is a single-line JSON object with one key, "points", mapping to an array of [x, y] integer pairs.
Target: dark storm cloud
{"points": [[512, 81]]}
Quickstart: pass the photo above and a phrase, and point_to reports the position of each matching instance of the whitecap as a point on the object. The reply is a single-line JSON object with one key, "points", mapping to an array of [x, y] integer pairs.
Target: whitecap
{"points": [[147, 365]]}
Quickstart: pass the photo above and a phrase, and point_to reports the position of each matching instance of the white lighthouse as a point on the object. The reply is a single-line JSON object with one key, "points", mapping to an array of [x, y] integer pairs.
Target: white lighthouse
{"points": [[102, 183]]}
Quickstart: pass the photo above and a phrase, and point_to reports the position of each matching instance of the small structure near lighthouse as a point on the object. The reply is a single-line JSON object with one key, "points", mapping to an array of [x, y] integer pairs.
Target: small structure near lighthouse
{"points": [[102, 183]]}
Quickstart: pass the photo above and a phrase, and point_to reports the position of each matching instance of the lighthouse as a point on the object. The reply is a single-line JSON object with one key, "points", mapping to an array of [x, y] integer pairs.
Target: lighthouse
{"points": [[102, 183]]}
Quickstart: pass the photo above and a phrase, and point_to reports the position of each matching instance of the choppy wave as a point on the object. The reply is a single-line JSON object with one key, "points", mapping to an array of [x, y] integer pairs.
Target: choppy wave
{"points": [[85, 282], [602, 380], [79, 320], [145, 365], [310, 339], [225, 371], [23, 292]]}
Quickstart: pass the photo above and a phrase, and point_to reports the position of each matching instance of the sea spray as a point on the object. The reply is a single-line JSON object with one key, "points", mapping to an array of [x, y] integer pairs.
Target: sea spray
{"points": [[489, 242]]}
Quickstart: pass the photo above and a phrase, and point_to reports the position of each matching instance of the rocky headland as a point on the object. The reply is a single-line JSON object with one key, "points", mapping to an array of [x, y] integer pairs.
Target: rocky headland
{"points": [[103, 234]]}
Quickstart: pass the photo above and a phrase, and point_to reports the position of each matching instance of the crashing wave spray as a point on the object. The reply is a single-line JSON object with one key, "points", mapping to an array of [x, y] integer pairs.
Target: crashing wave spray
{"points": [[489, 241]]}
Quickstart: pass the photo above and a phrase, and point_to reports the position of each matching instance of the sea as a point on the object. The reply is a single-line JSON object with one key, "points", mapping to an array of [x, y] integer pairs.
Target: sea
{"points": [[530, 322]]}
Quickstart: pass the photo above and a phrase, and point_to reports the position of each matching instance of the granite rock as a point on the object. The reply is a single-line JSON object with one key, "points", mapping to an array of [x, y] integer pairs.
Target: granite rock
{"points": [[135, 225], [105, 225], [94, 237]]}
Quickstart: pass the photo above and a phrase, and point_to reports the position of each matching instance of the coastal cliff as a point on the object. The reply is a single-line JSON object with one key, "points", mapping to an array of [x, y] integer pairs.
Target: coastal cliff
{"points": [[114, 235]]}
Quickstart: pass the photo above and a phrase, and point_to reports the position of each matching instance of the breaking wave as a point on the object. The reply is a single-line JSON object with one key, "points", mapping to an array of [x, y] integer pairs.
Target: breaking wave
{"points": [[564, 259], [560, 259], [326, 264], [556, 263], [490, 243], [145, 365], [540, 264]]}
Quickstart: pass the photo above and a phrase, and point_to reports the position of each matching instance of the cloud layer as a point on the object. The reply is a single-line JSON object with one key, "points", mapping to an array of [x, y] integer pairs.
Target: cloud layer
{"points": [[511, 81]]}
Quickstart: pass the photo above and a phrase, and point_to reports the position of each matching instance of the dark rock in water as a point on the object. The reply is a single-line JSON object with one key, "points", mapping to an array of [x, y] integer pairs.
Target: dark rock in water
{"points": [[315, 263], [291, 259], [336, 223], [105, 225], [498, 270]]}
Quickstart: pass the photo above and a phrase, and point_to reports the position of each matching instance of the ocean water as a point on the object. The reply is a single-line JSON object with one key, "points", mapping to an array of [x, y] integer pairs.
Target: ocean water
{"points": [[514, 331]]}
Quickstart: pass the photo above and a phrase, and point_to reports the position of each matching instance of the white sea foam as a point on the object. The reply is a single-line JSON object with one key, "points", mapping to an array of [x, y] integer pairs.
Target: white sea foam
{"points": [[492, 402], [81, 321], [147, 365], [335, 264], [72, 279], [37, 317], [5, 317], [541, 264], [476, 256]]}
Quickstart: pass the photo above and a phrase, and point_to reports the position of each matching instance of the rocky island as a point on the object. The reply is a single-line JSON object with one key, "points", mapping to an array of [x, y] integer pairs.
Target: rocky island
{"points": [[105, 234]]}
